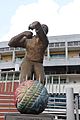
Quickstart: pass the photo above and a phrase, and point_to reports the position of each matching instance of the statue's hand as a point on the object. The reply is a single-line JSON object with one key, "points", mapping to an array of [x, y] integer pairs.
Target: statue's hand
{"points": [[35, 25]]}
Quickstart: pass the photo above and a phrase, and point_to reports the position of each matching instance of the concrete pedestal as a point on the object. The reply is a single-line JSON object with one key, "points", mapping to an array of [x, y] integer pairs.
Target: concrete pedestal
{"points": [[42, 116]]}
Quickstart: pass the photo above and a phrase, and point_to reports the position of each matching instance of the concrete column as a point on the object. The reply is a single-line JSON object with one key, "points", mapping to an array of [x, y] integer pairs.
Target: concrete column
{"points": [[59, 84], [76, 107], [46, 81], [70, 104], [16, 66], [67, 79], [56, 118], [13, 57], [48, 52], [52, 84], [66, 50]]}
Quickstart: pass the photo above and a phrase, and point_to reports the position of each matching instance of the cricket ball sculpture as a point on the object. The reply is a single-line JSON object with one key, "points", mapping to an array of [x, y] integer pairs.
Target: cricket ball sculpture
{"points": [[31, 97]]}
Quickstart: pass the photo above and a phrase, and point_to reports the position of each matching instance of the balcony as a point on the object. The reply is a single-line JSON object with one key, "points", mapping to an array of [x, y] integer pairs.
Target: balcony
{"points": [[47, 62], [61, 61], [61, 88], [9, 64], [6, 65]]}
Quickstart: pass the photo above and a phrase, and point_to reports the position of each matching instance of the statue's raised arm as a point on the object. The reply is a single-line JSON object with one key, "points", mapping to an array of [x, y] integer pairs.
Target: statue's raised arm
{"points": [[20, 39]]}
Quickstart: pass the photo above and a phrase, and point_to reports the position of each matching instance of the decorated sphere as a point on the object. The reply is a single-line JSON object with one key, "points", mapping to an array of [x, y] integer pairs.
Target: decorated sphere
{"points": [[31, 97]]}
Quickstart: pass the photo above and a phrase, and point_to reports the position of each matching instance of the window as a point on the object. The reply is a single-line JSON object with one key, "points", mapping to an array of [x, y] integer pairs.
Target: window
{"points": [[56, 44], [55, 81], [75, 43], [62, 81], [70, 43], [3, 77], [62, 43], [16, 76], [51, 44], [57, 55], [10, 76]]}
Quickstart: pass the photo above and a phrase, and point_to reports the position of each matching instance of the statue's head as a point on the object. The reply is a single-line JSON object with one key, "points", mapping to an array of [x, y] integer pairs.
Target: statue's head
{"points": [[45, 28]]}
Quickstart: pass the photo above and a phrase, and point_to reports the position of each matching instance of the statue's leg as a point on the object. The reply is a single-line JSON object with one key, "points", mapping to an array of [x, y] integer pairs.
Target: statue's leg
{"points": [[39, 72], [25, 72]]}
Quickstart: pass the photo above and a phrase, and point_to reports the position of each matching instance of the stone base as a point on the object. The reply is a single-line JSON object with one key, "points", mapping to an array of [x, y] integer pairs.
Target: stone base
{"points": [[19, 116]]}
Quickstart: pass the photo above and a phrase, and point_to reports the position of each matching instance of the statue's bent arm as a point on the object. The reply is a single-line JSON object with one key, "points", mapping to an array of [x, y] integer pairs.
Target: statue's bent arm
{"points": [[20, 39]]}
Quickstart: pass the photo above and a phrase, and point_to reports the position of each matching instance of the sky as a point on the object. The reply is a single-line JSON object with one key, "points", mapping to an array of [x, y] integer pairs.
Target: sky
{"points": [[61, 16]]}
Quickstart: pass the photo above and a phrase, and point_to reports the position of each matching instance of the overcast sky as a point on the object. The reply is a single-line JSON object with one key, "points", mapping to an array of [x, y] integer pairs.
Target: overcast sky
{"points": [[61, 16]]}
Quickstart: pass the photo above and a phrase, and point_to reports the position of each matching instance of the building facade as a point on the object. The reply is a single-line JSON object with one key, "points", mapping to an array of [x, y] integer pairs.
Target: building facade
{"points": [[61, 64]]}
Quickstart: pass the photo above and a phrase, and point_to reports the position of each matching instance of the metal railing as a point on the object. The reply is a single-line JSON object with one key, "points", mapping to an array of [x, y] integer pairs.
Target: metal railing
{"points": [[51, 85]]}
